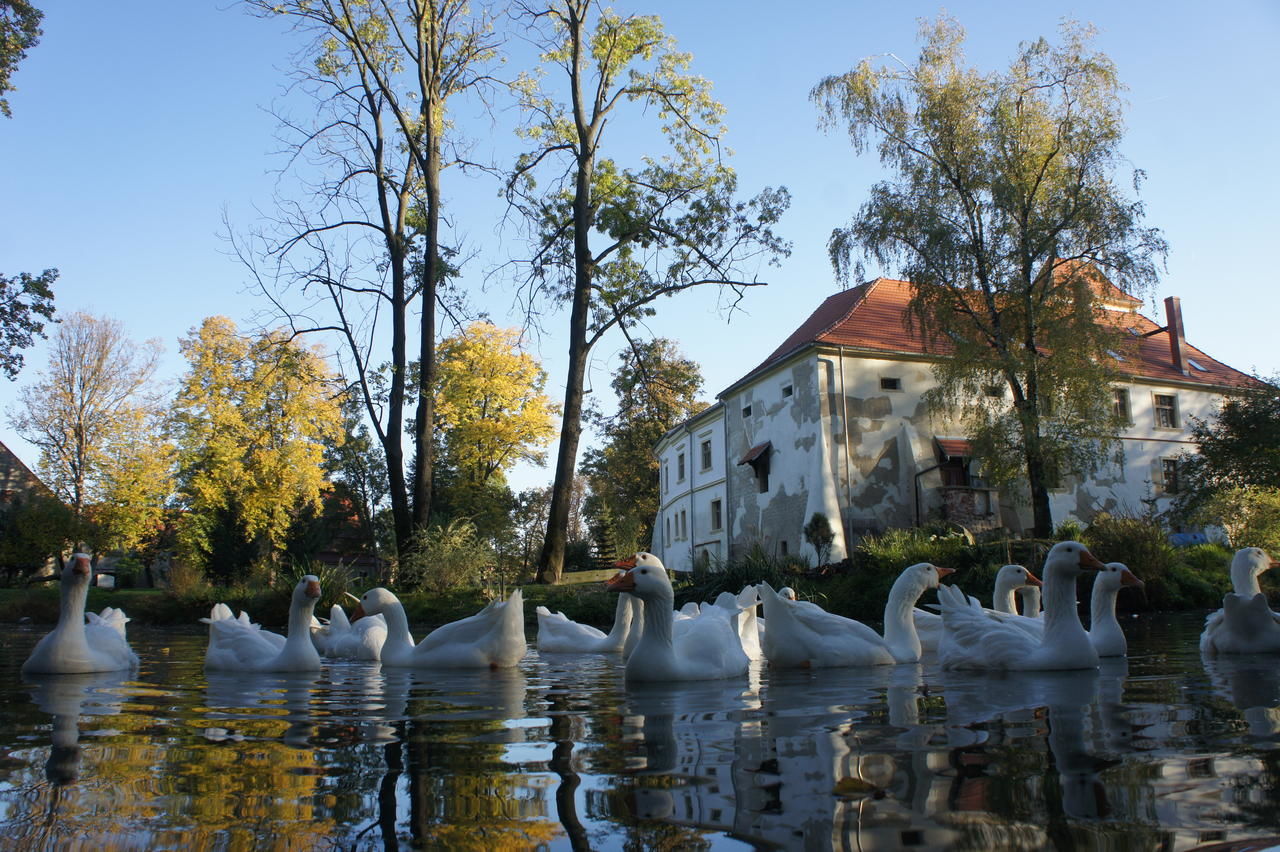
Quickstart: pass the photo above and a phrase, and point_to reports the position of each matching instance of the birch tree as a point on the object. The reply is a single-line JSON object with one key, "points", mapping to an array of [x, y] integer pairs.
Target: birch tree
{"points": [[1002, 208]]}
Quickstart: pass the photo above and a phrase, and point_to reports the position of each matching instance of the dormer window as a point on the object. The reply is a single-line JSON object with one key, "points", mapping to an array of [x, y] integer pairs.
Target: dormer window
{"points": [[1196, 365]]}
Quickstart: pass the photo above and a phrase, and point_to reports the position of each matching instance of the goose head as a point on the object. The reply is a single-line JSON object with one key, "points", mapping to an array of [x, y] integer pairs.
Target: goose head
{"points": [[307, 590], [924, 575], [645, 577], [77, 569], [1117, 574], [1249, 563], [373, 602], [1016, 576], [787, 593], [1070, 559]]}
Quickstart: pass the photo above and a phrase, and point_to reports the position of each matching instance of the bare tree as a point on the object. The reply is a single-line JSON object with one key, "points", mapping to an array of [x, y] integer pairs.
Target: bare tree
{"points": [[366, 246]]}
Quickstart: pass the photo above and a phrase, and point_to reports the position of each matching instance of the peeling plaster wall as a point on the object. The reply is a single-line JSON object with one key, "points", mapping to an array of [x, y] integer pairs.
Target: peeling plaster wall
{"points": [[889, 435]]}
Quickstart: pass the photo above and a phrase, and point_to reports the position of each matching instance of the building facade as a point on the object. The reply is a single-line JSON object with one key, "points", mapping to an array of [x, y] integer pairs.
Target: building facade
{"points": [[835, 422]]}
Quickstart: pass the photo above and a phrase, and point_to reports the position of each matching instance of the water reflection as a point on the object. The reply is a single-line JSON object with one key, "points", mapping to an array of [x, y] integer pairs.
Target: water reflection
{"points": [[1161, 751], [66, 697]]}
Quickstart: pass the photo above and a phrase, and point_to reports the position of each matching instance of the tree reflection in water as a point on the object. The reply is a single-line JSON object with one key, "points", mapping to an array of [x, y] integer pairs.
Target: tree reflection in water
{"points": [[1165, 750]]}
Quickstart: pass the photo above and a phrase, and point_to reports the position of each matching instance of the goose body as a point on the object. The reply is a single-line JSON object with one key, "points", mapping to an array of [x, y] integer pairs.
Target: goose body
{"points": [[804, 635], [492, 638], [1010, 579], [342, 639], [1104, 630], [975, 639], [236, 644], [708, 649], [1245, 624], [557, 634], [74, 647]]}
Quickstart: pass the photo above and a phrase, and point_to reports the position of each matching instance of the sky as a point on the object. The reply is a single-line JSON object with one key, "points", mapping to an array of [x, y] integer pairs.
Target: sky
{"points": [[141, 128]]}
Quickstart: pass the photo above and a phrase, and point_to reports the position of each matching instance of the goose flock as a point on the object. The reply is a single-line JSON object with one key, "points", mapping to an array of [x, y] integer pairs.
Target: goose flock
{"points": [[712, 641]]}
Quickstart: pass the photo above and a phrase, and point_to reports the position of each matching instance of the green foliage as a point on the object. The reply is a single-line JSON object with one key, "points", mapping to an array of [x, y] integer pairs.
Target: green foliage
{"points": [[1196, 577], [19, 32], [335, 583], [756, 566], [26, 301], [1004, 213], [34, 529], [444, 558], [657, 388], [1233, 480], [1140, 544]]}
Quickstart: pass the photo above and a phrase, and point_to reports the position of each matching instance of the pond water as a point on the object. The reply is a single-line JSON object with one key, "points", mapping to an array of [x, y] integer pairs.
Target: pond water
{"points": [[1164, 751]]}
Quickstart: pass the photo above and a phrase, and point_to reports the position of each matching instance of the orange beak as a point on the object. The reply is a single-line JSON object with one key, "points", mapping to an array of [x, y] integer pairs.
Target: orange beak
{"points": [[628, 563], [623, 582], [1128, 578], [81, 566], [1088, 560], [944, 570], [313, 589], [357, 613], [1033, 580]]}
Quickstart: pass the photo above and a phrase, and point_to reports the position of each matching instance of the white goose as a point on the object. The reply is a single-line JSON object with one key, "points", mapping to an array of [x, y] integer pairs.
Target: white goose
{"points": [[1104, 630], [709, 649], [1029, 596], [975, 639], [557, 634], [1245, 624], [235, 644], [1009, 580], [346, 641], [73, 647], [806, 636], [492, 638]]}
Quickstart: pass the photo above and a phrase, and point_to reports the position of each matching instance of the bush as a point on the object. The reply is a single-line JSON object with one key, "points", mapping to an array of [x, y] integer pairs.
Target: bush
{"points": [[755, 567], [444, 558], [1142, 545]]}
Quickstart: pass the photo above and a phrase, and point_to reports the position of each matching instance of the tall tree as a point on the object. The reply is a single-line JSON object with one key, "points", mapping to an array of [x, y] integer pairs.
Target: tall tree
{"points": [[251, 420], [608, 239], [383, 73], [94, 396], [657, 388], [19, 32], [26, 304], [1004, 213], [138, 483]]}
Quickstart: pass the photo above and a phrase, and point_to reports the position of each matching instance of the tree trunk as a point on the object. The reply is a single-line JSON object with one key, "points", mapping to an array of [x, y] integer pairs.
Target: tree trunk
{"points": [[425, 421], [392, 445], [1041, 513], [551, 562]]}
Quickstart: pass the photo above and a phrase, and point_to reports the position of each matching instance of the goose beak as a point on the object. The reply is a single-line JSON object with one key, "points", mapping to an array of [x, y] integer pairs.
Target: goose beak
{"points": [[81, 565], [357, 613], [353, 597], [313, 589], [1128, 578], [622, 582], [1033, 580], [1088, 560], [626, 564], [944, 571]]}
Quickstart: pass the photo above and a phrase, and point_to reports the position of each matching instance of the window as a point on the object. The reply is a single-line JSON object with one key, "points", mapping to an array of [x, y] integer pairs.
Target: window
{"points": [[1166, 408], [782, 547], [786, 391], [1120, 404], [746, 411], [684, 524], [666, 478], [680, 467], [717, 515], [1169, 475], [706, 455], [890, 383], [666, 539], [994, 391], [1196, 365]]}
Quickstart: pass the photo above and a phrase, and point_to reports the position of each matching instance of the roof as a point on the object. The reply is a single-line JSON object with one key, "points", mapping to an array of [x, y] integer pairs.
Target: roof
{"points": [[873, 318], [953, 448], [754, 454]]}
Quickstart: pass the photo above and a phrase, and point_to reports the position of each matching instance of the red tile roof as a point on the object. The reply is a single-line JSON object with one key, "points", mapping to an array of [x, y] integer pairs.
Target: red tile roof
{"points": [[955, 447], [873, 318]]}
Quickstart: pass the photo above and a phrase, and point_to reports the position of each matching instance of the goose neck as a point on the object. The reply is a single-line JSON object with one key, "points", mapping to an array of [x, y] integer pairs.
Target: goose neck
{"points": [[899, 625], [1102, 603], [658, 619], [1060, 613]]}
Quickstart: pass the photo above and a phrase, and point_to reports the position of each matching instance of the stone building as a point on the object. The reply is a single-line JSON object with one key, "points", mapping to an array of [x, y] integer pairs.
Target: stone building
{"points": [[834, 421]]}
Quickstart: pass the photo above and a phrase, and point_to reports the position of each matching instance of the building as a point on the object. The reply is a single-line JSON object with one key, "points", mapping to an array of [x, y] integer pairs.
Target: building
{"points": [[834, 421]]}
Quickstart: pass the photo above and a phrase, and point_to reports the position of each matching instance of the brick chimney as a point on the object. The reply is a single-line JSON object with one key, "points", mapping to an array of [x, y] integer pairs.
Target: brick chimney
{"points": [[1177, 339]]}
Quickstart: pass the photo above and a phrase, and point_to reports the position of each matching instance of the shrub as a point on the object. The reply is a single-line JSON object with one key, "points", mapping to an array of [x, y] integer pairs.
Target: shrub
{"points": [[443, 558], [754, 567], [820, 536], [1140, 544]]}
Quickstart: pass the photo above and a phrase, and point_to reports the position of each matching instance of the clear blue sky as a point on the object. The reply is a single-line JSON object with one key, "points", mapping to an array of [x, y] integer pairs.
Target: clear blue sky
{"points": [[137, 125]]}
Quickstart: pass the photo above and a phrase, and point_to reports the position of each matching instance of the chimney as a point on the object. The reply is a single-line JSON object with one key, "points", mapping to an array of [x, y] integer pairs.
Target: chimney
{"points": [[1177, 340]]}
